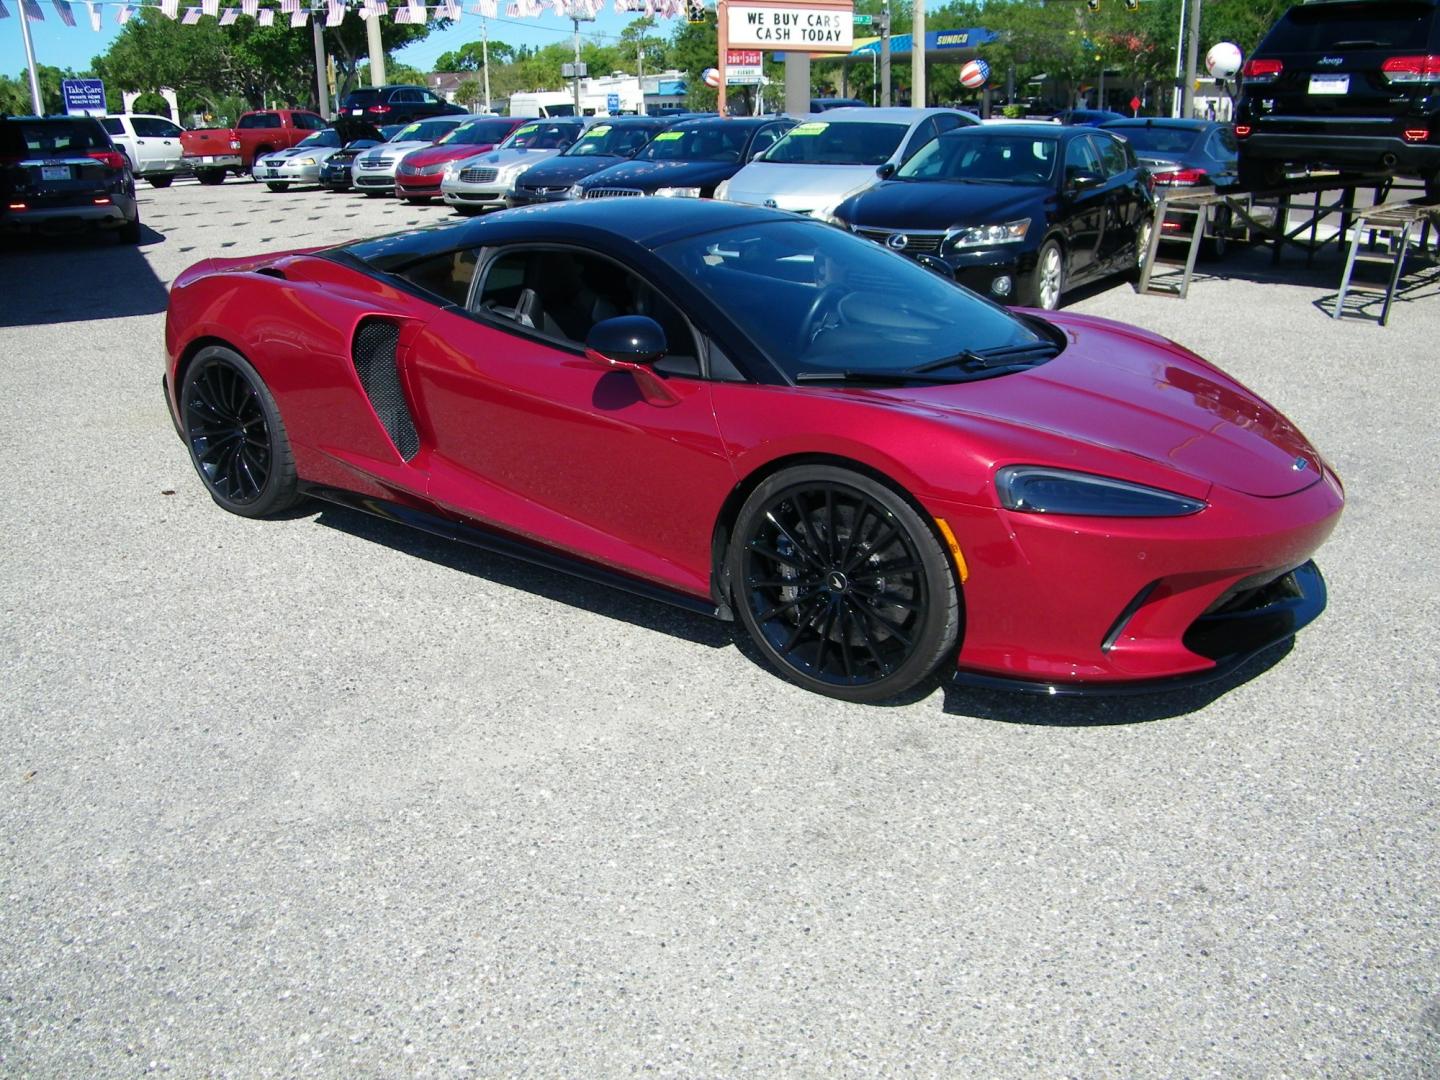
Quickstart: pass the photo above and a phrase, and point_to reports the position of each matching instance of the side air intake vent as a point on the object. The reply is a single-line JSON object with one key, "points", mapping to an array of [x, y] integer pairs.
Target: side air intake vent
{"points": [[374, 355]]}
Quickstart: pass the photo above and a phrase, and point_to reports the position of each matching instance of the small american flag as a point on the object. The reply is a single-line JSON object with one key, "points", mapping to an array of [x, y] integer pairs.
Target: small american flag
{"points": [[192, 16], [249, 7], [32, 10], [450, 9], [335, 13], [170, 8], [123, 13], [265, 16], [229, 15], [299, 18], [93, 10], [62, 8], [211, 8]]}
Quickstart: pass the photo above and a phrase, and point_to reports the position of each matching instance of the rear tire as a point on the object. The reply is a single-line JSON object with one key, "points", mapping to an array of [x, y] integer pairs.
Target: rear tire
{"points": [[276, 187], [129, 233], [1217, 245], [1432, 186], [160, 181], [842, 584], [235, 435], [210, 177]]}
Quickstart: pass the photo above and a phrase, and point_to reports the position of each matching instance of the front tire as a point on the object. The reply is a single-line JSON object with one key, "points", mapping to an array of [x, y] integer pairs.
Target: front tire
{"points": [[160, 181], [1044, 285], [210, 177], [842, 584], [273, 186], [236, 437]]}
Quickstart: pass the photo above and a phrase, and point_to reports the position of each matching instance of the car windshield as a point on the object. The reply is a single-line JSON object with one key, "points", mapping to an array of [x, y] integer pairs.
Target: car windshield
{"points": [[820, 301], [724, 141], [1158, 138], [478, 133], [423, 131], [359, 98], [990, 157], [20, 137], [817, 142], [542, 135], [616, 140], [1366, 25], [326, 137]]}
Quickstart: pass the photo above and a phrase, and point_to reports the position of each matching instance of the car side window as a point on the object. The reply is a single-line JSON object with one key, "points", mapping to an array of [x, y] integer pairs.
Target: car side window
{"points": [[113, 124], [310, 122], [923, 133], [1080, 158], [1112, 155], [765, 138], [562, 293], [948, 122], [429, 98], [446, 276], [1224, 145]]}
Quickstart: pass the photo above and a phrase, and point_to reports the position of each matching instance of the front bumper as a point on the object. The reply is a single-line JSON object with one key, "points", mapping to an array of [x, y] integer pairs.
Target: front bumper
{"points": [[371, 179], [286, 173], [335, 177], [417, 185], [1084, 603], [480, 196]]}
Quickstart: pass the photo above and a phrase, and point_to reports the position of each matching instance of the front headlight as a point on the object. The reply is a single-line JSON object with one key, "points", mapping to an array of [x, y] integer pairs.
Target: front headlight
{"points": [[678, 192], [975, 236], [304, 161], [721, 190], [574, 191], [1032, 489]]}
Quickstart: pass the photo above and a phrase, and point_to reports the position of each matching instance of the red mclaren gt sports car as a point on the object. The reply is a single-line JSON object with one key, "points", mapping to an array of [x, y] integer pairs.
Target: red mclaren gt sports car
{"points": [[768, 419]]}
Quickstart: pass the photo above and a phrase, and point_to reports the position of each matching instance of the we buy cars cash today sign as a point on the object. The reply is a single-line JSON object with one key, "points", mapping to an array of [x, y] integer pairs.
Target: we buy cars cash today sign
{"points": [[803, 27]]}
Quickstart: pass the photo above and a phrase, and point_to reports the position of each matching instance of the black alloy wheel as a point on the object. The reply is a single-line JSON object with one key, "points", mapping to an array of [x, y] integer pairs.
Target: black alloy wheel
{"points": [[210, 176], [841, 584], [236, 438], [160, 181]]}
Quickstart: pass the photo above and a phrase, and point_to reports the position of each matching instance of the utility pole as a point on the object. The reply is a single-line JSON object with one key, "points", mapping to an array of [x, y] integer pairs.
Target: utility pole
{"points": [[320, 70], [377, 50], [576, 21], [1178, 96], [885, 56], [1192, 58], [640, 73], [917, 57], [35, 98], [485, 58]]}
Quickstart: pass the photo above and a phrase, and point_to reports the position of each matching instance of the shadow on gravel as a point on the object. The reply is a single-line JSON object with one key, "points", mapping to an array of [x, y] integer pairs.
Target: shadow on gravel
{"points": [[1042, 711], [79, 278], [514, 574]]}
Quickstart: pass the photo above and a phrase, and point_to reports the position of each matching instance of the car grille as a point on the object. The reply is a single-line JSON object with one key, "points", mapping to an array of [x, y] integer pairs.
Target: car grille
{"points": [[273, 163], [477, 176], [540, 189], [612, 192], [916, 243], [373, 163]]}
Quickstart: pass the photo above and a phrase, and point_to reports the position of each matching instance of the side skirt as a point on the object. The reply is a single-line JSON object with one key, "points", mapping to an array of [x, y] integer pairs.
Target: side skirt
{"points": [[511, 547]]}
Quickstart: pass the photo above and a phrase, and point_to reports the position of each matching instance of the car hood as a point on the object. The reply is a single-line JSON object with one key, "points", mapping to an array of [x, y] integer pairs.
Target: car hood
{"points": [[915, 204], [1132, 392], [436, 155], [393, 151], [566, 170], [319, 153], [501, 158], [798, 187], [650, 175]]}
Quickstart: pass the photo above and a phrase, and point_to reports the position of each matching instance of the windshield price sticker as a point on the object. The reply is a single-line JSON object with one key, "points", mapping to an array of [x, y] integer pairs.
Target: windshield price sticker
{"points": [[669, 136], [598, 130], [527, 129], [808, 129], [814, 29]]}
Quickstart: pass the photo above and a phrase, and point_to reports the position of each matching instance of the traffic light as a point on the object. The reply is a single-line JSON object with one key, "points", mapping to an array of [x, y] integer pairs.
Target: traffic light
{"points": [[1093, 5], [695, 10], [1132, 5]]}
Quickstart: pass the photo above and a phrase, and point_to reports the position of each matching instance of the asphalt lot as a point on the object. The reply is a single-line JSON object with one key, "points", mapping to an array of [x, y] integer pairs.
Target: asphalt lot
{"points": [[322, 797]]}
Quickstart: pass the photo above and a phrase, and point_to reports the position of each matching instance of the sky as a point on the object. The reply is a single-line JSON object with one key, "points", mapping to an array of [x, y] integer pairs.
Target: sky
{"points": [[73, 47]]}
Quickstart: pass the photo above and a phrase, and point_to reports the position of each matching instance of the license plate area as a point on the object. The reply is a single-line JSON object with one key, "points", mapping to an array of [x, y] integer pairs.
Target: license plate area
{"points": [[54, 172], [1329, 84]]}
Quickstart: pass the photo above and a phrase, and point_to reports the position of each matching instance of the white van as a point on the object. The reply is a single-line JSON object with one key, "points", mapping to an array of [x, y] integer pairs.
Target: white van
{"points": [[152, 143]]}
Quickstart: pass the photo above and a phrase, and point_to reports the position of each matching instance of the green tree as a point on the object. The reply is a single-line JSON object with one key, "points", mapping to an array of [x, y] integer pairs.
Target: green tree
{"points": [[469, 93], [471, 57]]}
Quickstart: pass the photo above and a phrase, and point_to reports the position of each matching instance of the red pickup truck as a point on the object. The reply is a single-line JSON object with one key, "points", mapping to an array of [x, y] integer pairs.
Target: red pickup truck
{"points": [[212, 152]]}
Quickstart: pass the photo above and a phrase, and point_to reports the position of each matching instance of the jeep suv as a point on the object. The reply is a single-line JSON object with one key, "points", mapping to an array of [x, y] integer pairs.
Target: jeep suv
{"points": [[1352, 85], [64, 174], [396, 104]]}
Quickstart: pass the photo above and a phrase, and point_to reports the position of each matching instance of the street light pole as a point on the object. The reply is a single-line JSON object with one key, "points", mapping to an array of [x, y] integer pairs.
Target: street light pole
{"points": [[885, 56], [1176, 98], [1192, 58], [320, 66], [576, 21], [917, 57], [35, 98], [485, 58]]}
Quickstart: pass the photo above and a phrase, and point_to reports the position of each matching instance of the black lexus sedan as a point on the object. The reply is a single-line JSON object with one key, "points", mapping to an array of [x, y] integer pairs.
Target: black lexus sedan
{"points": [[335, 170], [601, 146], [1018, 212], [689, 159]]}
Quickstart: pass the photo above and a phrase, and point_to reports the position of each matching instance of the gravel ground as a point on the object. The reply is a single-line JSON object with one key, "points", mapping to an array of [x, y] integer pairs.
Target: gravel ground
{"points": [[322, 797]]}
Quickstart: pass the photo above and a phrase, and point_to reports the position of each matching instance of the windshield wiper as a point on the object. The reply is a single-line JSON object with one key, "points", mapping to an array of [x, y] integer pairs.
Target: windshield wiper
{"points": [[1007, 356], [883, 378]]}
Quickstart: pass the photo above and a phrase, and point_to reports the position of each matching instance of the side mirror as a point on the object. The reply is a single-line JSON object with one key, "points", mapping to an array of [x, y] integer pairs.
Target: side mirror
{"points": [[625, 341], [1084, 178], [884, 172]]}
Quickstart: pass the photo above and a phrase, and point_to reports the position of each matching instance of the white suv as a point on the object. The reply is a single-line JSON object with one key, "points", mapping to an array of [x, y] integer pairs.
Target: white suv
{"points": [[152, 143]]}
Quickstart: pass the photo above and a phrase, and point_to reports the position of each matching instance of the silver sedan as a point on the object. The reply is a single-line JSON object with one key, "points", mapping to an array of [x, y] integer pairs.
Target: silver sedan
{"points": [[487, 181]]}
